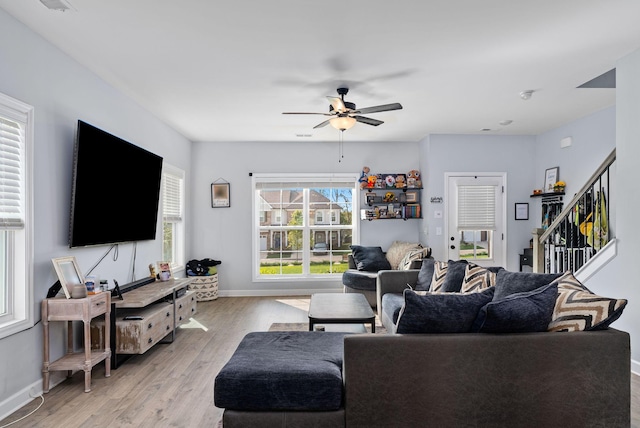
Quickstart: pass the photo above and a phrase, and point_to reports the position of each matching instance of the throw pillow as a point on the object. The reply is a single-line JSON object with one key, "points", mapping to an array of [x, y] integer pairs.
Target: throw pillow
{"points": [[440, 312], [455, 275], [397, 250], [477, 278], [578, 309], [439, 274], [520, 282], [425, 275], [371, 259], [518, 313], [412, 255]]}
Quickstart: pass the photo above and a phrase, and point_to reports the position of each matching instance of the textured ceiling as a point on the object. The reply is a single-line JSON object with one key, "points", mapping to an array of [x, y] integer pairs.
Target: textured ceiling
{"points": [[225, 71]]}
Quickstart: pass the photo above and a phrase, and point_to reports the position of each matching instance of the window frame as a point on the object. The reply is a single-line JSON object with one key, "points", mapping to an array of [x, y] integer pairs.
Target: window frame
{"points": [[19, 243], [308, 227], [178, 226]]}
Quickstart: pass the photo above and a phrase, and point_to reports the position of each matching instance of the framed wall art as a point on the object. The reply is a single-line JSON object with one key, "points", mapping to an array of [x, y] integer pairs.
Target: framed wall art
{"points": [[522, 211], [551, 176], [220, 195]]}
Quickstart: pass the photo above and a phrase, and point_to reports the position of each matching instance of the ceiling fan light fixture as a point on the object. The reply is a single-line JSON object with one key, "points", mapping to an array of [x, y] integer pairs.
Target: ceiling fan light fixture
{"points": [[342, 123], [60, 5]]}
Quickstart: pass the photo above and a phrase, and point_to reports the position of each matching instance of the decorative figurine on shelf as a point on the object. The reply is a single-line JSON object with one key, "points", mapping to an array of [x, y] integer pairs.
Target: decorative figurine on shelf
{"points": [[379, 181], [413, 178], [364, 177], [371, 181], [390, 181], [388, 197], [400, 181]]}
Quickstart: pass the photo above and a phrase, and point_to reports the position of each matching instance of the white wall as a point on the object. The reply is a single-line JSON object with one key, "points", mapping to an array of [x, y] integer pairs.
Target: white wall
{"points": [[225, 233], [62, 92], [479, 153]]}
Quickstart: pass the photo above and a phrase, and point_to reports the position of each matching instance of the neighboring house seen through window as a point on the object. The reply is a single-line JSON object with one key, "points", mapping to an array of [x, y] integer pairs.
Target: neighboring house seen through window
{"points": [[16, 255], [304, 225]]}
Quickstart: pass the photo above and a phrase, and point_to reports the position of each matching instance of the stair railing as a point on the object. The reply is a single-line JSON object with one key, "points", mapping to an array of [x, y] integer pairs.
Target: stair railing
{"points": [[580, 230]]}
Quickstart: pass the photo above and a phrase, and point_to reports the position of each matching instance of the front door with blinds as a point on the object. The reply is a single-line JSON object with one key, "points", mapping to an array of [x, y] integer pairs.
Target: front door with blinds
{"points": [[475, 218]]}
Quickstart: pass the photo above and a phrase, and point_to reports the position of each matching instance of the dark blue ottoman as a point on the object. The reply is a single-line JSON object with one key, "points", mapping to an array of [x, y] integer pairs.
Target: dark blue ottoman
{"points": [[283, 371]]}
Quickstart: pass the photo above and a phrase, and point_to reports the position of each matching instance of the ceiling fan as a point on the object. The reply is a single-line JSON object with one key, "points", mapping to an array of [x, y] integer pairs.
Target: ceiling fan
{"points": [[343, 114]]}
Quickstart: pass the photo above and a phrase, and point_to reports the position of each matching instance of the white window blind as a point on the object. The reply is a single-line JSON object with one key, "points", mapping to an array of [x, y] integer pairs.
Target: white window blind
{"points": [[171, 196], [12, 142], [476, 207]]}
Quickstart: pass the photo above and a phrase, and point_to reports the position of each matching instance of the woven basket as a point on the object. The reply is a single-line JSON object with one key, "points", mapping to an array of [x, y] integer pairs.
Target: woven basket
{"points": [[206, 287]]}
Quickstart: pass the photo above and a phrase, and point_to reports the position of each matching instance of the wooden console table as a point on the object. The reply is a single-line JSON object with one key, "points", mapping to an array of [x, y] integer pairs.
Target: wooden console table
{"points": [[61, 309], [145, 316]]}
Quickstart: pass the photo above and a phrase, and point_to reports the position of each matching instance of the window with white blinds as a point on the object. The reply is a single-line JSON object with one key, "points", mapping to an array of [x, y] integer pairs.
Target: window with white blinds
{"points": [[173, 237], [16, 239], [12, 141], [172, 198], [476, 207]]}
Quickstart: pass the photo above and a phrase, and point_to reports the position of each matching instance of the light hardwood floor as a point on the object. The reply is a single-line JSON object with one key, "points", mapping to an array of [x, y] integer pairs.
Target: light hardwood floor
{"points": [[172, 384]]}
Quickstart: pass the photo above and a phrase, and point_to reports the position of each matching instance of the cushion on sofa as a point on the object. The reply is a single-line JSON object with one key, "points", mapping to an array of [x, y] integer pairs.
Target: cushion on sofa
{"points": [[283, 371], [440, 312], [391, 305], [413, 254], [425, 275], [439, 274], [371, 259], [477, 278], [578, 309], [397, 250], [359, 279], [526, 312], [455, 274], [520, 282]]}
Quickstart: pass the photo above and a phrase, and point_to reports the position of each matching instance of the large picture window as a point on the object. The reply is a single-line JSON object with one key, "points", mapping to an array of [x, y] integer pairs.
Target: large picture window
{"points": [[16, 254], [304, 225]]}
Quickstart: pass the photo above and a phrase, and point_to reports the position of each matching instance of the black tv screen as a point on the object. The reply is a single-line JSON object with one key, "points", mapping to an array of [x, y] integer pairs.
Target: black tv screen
{"points": [[116, 190]]}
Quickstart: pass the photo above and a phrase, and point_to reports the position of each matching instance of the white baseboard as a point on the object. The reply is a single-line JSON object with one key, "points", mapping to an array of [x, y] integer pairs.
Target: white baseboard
{"points": [[277, 292], [635, 367], [28, 393]]}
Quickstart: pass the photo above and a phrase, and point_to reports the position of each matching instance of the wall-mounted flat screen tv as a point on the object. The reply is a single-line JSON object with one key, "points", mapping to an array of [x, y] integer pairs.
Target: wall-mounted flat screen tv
{"points": [[115, 192]]}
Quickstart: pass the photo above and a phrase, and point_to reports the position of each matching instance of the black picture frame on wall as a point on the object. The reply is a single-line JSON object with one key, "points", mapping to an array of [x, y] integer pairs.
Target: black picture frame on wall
{"points": [[220, 195], [522, 211]]}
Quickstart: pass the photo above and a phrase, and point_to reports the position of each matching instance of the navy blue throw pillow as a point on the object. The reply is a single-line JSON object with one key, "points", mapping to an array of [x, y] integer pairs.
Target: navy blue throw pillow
{"points": [[520, 282], [440, 312], [425, 275], [370, 259], [518, 313], [454, 277]]}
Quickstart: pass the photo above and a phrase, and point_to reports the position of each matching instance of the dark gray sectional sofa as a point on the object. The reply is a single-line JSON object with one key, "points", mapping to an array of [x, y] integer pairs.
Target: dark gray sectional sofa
{"points": [[536, 379]]}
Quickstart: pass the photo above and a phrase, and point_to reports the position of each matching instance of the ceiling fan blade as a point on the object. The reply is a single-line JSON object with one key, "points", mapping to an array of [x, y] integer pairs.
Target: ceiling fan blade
{"points": [[300, 112], [368, 120], [336, 103], [376, 109], [320, 125]]}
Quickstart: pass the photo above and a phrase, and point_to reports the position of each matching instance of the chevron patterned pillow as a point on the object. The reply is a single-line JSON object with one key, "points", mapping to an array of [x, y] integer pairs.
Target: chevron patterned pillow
{"points": [[578, 309], [476, 278], [439, 274]]}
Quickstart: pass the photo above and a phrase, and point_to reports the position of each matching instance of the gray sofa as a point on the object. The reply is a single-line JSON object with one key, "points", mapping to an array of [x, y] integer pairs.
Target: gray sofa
{"points": [[541, 379]]}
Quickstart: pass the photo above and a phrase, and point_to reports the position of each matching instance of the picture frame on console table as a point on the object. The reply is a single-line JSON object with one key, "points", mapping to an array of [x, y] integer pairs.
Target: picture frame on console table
{"points": [[68, 273], [220, 195]]}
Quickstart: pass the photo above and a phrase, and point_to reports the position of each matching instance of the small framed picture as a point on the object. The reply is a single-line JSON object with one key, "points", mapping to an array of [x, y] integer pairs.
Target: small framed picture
{"points": [[522, 211], [164, 271], [68, 273], [551, 176], [220, 195], [412, 196]]}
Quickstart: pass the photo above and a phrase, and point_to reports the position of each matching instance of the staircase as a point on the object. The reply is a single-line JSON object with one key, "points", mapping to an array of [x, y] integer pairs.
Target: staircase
{"points": [[580, 238]]}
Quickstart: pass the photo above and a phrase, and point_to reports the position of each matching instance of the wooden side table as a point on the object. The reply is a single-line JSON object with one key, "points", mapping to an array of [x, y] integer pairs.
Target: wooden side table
{"points": [[61, 309]]}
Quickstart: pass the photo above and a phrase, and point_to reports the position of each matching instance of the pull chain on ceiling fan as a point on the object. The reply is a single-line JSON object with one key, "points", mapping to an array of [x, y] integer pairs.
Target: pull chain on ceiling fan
{"points": [[344, 115]]}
